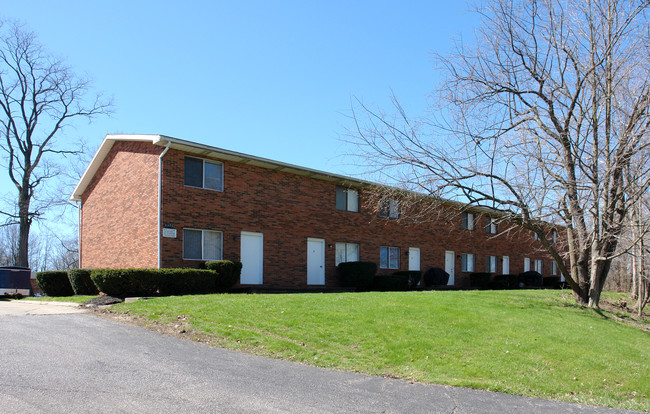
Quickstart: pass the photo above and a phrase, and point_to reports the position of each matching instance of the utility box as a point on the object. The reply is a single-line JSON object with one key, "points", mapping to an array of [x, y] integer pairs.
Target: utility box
{"points": [[15, 279]]}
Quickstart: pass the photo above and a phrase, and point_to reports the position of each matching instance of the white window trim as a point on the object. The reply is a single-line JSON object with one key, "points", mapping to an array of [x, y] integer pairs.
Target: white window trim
{"points": [[223, 185], [526, 264], [491, 267], [464, 264], [538, 263], [345, 244], [202, 243], [491, 227], [470, 221], [392, 206]]}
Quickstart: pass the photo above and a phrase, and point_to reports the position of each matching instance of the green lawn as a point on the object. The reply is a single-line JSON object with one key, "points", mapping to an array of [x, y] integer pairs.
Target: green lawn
{"points": [[534, 343], [75, 299]]}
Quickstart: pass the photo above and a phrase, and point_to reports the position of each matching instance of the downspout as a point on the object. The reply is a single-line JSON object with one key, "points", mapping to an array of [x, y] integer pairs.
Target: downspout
{"points": [[160, 203], [79, 207]]}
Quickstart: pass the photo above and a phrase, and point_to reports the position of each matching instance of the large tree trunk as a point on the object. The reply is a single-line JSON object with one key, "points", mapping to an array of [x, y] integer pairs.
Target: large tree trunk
{"points": [[24, 226]]}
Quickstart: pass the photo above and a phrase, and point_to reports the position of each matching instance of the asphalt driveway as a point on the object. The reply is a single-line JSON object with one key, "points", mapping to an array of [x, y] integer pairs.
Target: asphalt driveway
{"points": [[55, 362]]}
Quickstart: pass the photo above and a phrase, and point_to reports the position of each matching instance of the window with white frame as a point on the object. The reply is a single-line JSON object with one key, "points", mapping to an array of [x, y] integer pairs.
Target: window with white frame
{"points": [[505, 266], [468, 221], [491, 264], [526, 264], [389, 257], [202, 244], [553, 268], [347, 252], [538, 265], [491, 225], [203, 174], [389, 208], [467, 262], [536, 236], [554, 236], [347, 199]]}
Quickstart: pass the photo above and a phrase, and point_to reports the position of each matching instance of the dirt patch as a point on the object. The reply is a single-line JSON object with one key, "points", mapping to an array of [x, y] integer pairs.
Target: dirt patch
{"points": [[621, 311]]}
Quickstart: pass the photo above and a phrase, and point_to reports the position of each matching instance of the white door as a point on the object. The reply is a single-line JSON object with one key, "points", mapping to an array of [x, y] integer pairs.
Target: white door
{"points": [[414, 258], [450, 266], [506, 265], [251, 258], [315, 261]]}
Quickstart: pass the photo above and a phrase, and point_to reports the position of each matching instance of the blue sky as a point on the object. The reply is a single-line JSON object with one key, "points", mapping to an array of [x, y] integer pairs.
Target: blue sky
{"points": [[272, 79]]}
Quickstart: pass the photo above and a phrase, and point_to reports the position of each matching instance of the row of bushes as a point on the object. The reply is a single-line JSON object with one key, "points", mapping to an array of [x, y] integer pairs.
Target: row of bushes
{"points": [[219, 276], [361, 276], [527, 279]]}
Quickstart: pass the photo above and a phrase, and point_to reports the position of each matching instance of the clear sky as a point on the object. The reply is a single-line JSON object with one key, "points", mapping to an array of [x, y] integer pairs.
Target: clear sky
{"points": [[268, 78]]}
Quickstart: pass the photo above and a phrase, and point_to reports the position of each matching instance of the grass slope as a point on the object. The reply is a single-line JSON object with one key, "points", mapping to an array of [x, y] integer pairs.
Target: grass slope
{"points": [[533, 343]]}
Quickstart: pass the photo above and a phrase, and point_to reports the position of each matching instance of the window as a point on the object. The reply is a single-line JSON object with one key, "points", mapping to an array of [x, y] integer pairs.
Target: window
{"points": [[538, 266], [467, 262], [347, 252], [553, 268], [491, 264], [506, 265], [468, 221], [536, 236], [389, 208], [526, 264], [203, 174], [389, 257], [347, 199], [554, 236], [202, 244], [491, 226]]}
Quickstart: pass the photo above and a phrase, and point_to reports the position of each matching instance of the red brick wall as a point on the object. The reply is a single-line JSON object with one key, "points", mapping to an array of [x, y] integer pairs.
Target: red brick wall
{"points": [[120, 209], [288, 209]]}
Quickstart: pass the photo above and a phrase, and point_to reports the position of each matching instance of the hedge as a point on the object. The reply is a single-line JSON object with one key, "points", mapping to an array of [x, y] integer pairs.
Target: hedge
{"points": [[479, 280], [229, 273], [54, 283], [531, 278], [552, 282], [505, 282], [388, 283], [81, 282], [357, 274], [185, 281], [413, 277], [126, 282], [436, 276]]}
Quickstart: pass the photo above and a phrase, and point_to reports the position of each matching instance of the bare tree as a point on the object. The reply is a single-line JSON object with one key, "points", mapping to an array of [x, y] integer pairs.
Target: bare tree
{"points": [[39, 97], [539, 119]]}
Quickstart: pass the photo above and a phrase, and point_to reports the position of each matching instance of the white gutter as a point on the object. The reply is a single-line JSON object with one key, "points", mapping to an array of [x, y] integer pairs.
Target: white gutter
{"points": [[169, 143], [79, 206]]}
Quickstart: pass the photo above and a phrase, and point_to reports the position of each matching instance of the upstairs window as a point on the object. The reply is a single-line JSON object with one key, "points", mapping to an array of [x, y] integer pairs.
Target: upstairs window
{"points": [[553, 236], [536, 236], [389, 257], [389, 208], [491, 264], [347, 252], [468, 221], [467, 262], [203, 174], [491, 225], [347, 199]]}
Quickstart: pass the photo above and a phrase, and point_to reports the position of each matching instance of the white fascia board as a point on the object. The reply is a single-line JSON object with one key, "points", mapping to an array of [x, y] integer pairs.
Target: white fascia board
{"points": [[99, 157]]}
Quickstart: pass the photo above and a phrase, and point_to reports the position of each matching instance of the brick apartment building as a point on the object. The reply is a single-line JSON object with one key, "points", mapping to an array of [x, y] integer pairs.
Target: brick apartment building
{"points": [[156, 201]]}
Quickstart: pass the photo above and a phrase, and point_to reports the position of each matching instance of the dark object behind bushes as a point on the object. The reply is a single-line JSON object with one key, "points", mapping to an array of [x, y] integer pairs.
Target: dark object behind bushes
{"points": [[551, 282], [388, 283], [413, 276], [479, 280], [185, 281], [54, 283], [126, 282], [531, 278], [81, 282], [505, 282], [357, 274], [229, 273], [435, 277]]}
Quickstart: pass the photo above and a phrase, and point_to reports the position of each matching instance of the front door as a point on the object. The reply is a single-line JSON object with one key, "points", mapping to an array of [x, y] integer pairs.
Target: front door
{"points": [[450, 266], [315, 261], [251, 258], [414, 258]]}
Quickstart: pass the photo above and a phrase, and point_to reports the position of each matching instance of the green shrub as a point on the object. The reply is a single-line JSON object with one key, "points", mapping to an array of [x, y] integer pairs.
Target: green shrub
{"points": [[389, 283], [229, 273], [551, 282], [81, 282], [479, 280], [413, 277], [357, 274], [186, 281], [126, 282], [504, 282], [54, 283]]}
